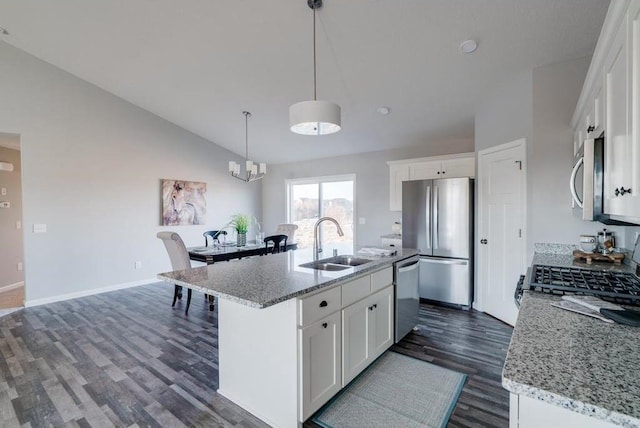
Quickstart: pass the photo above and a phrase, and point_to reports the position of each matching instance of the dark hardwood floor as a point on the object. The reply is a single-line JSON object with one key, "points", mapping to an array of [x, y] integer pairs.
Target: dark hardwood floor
{"points": [[469, 342], [127, 359]]}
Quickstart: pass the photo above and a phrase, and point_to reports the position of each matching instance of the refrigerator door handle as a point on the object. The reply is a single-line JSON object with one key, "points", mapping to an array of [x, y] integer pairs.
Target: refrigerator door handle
{"points": [[445, 261], [428, 216], [435, 217]]}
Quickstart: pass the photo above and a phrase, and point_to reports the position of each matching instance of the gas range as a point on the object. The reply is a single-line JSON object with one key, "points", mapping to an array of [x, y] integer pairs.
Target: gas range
{"points": [[614, 286]]}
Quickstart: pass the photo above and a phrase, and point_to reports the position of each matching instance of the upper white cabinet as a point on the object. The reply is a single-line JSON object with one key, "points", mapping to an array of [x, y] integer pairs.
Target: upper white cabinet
{"points": [[610, 103], [617, 141], [449, 166]]}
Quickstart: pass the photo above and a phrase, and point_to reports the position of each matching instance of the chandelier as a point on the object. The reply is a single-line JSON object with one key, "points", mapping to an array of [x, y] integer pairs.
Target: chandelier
{"points": [[253, 171]]}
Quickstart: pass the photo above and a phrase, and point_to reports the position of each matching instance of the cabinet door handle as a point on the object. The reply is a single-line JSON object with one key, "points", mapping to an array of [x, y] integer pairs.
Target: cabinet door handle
{"points": [[370, 308], [590, 128], [617, 192], [483, 241], [323, 303], [623, 191], [375, 305], [324, 325]]}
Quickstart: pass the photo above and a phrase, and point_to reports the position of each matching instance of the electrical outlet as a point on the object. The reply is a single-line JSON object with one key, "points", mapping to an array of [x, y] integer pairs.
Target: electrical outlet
{"points": [[39, 228], [19, 265], [363, 220], [18, 224], [5, 204], [137, 265]]}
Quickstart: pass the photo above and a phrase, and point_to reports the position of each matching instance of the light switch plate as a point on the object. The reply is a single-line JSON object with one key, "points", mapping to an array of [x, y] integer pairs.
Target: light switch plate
{"points": [[3, 191], [5, 204], [363, 220], [39, 228], [18, 224]]}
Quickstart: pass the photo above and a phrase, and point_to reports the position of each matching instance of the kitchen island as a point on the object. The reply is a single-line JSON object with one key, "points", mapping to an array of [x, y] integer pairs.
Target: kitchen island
{"points": [[290, 337], [567, 369]]}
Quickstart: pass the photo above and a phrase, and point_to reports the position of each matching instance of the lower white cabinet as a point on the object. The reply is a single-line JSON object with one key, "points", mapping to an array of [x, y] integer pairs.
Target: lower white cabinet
{"points": [[526, 412], [320, 365], [367, 331]]}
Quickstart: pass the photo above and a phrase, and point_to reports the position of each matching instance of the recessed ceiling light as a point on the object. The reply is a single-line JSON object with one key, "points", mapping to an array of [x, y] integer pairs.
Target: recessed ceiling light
{"points": [[383, 110], [468, 46], [4, 32]]}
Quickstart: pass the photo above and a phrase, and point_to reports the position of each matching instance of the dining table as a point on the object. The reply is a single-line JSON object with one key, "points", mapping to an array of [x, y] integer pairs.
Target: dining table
{"points": [[225, 252]]}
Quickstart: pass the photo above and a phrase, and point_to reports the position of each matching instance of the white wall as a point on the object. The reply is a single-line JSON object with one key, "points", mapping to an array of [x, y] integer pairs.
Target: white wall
{"points": [[11, 248], [372, 185], [538, 106], [92, 165]]}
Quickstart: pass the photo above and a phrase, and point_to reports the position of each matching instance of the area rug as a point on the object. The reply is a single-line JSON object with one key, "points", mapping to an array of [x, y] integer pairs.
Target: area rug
{"points": [[395, 391]]}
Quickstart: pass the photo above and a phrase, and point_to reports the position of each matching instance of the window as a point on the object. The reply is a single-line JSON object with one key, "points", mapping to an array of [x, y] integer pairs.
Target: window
{"points": [[312, 198]]}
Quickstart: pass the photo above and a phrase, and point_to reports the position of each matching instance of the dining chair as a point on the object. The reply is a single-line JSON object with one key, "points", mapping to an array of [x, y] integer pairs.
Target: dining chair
{"points": [[214, 234], [179, 257], [287, 229], [277, 244]]}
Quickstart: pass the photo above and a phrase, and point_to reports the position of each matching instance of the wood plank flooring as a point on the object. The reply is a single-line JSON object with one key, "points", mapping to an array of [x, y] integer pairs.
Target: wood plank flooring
{"points": [[12, 298], [127, 359]]}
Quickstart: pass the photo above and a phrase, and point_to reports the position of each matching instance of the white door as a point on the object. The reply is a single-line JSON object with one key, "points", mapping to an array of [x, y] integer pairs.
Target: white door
{"points": [[320, 363], [501, 221], [356, 347], [381, 325]]}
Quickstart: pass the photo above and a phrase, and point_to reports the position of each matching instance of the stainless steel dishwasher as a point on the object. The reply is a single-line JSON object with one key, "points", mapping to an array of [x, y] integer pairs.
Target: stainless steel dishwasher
{"points": [[406, 279]]}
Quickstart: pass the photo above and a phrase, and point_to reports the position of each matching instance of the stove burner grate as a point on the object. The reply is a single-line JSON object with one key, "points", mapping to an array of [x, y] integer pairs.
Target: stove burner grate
{"points": [[619, 287]]}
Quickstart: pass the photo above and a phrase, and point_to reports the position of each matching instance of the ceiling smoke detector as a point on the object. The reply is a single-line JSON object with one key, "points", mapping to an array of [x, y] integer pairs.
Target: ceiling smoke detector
{"points": [[468, 46], [383, 110]]}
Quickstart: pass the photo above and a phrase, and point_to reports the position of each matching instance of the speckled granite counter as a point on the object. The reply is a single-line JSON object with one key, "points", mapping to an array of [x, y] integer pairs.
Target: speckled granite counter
{"points": [[263, 281], [574, 361]]}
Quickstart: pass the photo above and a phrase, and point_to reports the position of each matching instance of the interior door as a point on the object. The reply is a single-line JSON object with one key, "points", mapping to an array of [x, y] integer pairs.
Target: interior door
{"points": [[501, 211]]}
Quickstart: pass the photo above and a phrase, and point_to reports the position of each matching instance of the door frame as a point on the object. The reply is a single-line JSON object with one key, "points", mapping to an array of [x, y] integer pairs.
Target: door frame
{"points": [[522, 144]]}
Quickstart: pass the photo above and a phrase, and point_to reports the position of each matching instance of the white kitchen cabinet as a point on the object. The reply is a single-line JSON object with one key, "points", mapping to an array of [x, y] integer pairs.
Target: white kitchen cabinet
{"points": [[320, 365], [367, 331], [633, 15], [448, 166], [356, 343], [526, 412], [618, 165], [398, 174], [381, 321]]}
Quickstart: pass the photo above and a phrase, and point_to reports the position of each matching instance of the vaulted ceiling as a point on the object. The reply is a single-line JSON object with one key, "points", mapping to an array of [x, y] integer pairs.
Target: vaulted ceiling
{"points": [[200, 63]]}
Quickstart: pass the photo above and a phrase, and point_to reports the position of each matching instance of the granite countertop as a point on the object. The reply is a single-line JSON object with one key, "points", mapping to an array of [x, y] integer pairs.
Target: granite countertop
{"points": [[567, 260], [263, 281], [574, 361]]}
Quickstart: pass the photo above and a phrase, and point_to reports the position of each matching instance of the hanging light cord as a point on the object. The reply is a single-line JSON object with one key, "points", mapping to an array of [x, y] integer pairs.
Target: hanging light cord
{"points": [[314, 54], [246, 134]]}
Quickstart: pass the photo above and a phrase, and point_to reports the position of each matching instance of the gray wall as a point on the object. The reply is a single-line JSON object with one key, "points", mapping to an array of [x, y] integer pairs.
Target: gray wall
{"points": [[11, 248], [538, 106], [92, 165], [372, 185]]}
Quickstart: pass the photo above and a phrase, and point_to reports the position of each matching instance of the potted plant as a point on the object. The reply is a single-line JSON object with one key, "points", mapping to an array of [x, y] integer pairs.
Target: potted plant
{"points": [[240, 223]]}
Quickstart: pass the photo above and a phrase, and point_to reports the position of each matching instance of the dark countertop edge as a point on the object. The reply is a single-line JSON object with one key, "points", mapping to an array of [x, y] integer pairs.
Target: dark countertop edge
{"points": [[379, 264]]}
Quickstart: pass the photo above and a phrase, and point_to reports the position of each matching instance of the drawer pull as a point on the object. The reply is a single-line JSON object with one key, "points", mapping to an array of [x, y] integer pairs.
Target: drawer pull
{"points": [[590, 129], [324, 325], [375, 305], [370, 308], [323, 303]]}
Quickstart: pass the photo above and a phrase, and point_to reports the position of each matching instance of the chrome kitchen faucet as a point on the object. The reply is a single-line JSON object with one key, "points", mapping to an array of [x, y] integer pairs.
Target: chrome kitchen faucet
{"points": [[317, 248]]}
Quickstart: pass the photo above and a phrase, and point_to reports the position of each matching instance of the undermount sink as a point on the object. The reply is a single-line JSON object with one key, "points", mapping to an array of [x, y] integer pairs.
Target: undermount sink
{"points": [[347, 260], [324, 266], [335, 263]]}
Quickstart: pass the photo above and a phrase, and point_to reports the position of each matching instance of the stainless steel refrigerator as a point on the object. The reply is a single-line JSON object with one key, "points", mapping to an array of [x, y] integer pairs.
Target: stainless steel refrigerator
{"points": [[437, 218]]}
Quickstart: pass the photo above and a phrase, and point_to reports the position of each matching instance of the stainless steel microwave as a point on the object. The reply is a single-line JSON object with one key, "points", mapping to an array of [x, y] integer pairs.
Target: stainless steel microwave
{"points": [[587, 182]]}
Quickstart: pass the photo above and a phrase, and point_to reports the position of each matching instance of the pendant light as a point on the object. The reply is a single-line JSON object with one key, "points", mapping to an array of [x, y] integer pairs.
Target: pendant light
{"points": [[314, 117], [253, 172]]}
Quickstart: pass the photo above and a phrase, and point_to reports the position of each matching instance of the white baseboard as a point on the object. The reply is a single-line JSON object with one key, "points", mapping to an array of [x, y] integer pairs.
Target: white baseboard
{"points": [[84, 293], [11, 286]]}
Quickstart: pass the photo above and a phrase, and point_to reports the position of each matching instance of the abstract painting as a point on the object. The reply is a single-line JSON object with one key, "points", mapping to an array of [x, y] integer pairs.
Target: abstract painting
{"points": [[183, 202]]}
